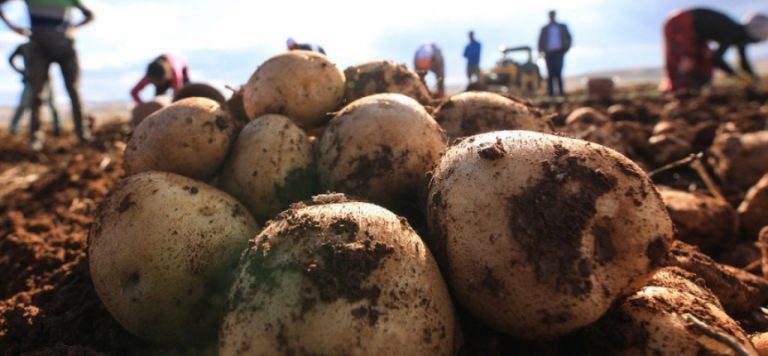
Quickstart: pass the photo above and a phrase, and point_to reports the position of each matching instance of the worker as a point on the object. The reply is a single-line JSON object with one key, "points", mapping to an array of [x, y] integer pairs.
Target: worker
{"points": [[472, 54], [52, 41], [689, 60], [293, 45], [25, 102], [164, 72], [554, 42], [429, 58]]}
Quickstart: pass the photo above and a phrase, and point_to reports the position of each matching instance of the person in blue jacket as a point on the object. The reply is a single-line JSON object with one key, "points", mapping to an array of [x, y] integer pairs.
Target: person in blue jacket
{"points": [[472, 54]]}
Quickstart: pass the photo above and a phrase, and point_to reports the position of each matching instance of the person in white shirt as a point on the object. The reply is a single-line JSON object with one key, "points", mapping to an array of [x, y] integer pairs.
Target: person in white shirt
{"points": [[429, 58], [554, 43]]}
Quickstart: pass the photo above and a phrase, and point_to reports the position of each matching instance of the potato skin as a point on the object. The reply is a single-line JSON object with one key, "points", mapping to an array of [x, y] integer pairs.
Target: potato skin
{"points": [[190, 137], [271, 166], [302, 85], [753, 210], [472, 113], [338, 278], [739, 159], [380, 148], [673, 314], [383, 77], [538, 234], [162, 254], [701, 220]]}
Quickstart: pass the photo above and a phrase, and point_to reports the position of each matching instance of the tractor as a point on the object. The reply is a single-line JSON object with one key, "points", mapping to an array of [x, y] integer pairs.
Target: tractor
{"points": [[510, 74]]}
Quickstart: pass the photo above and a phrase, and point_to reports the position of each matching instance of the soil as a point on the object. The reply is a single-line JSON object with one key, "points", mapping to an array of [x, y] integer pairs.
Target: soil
{"points": [[48, 201]]}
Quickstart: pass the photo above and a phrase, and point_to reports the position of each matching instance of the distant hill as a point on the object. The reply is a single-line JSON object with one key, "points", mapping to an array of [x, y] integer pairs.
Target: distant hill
{"points": [[634, 76]]}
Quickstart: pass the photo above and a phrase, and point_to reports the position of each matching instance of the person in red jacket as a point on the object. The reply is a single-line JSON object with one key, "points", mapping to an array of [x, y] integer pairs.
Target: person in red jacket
{"points": [[164, 72], [689, 60]]}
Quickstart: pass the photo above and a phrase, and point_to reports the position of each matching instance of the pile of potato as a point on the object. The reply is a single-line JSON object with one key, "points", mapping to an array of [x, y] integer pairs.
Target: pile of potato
{"points": [[322, 211]]}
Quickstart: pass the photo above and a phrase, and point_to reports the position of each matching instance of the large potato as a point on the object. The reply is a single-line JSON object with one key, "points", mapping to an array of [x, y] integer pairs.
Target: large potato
{"points": [[472, 113], [163, 253], [302, 85], [753, 211], [701, 220], [383, 77], [380, 148], [338, 278], [671, 315], [538, 234], [190, 137], [739, 159], [270, 167]]}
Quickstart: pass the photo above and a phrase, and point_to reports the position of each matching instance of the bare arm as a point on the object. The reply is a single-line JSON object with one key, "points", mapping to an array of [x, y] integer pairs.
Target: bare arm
{"points": [[20, 30], [86, 12]]}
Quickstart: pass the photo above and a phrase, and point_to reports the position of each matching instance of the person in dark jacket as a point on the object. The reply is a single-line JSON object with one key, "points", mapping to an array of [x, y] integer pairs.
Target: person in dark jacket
{"points": [[293, 45], [689, 60], [554, 42], [472, 54]]}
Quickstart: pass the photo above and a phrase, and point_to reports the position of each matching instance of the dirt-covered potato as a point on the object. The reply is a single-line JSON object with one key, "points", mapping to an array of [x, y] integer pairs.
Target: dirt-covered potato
{"points": [[190, 137], [302, 85], [700, 219], [380, 148], [739, 159], [740, 292], [538, 234], [383, 77], [199, 90], [672, 315], [163, 253], [471, 113], [668, 148], [582, 118], [635, 135], [338, 278], [141, 111], [753, 211], [271, 166], [760, 341]]}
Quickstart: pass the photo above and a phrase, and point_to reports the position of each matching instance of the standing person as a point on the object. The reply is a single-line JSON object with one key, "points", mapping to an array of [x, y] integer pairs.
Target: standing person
{"points": [[689, 62], [429, 58], [26, 96], [472, 54], [52, 41], [164, 72], [554, 43], [293, 45]]}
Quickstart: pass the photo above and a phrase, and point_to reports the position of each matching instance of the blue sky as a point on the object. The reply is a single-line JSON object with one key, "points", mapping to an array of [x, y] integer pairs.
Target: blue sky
{"points": [[225, 40]]}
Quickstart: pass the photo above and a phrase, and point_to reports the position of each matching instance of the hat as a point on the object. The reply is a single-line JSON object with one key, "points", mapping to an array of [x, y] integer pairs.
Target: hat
{"points": [[290, 42], [757, 26]]}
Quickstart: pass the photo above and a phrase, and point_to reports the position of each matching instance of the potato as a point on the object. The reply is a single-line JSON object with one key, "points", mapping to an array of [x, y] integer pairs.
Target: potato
{"points": [[634, 135], [701, 220], [740, 292], [753, 211], [760, 340], [762, 241], [582, 118], [380, 148], [739, 159], [190, 137], [538, 234], [270, 167], [141, 111], [668, 148], [472, 113], [383, 77], [338, 278], [302, 85], [199, 90], [162, 254], [672, 315]]}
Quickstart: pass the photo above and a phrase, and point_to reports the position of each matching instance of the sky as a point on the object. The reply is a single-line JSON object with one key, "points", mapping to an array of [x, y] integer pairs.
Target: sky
{"points": [[224, 41]]}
